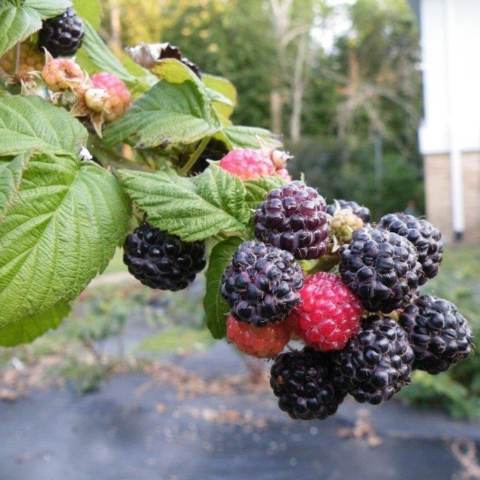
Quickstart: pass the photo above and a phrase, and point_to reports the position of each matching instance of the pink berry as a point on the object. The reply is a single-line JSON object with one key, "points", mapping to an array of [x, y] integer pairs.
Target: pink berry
{"points": [[329, 313], [119, 95], [249, 164], [262, 342]]}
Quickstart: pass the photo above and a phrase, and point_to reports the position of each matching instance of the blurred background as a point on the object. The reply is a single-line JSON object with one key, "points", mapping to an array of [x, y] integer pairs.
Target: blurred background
{"points": [[378, 102]]}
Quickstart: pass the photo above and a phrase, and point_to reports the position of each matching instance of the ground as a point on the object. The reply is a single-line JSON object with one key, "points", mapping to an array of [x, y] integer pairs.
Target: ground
{"points": [[133, 387]]}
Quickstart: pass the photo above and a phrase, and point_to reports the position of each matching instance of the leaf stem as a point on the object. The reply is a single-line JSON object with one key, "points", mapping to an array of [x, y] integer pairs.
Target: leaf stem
{"points": [[18, 53], [195, 156]]}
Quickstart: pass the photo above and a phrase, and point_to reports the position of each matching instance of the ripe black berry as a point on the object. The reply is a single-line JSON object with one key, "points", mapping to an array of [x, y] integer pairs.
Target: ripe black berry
{"points": [[439, 335], [376, 363], [358, 210], [62, 36], [261, 284], [425, 237], [381, 268], [293, 218], [304, 384], [160, 260]]}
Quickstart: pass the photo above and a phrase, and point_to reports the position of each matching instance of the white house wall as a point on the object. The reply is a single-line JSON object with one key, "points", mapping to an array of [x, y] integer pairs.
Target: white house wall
{"points": [[440, 68]]}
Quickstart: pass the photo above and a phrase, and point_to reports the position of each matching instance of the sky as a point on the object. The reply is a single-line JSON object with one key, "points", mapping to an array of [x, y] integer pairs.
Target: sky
{"points": [[339, 23]]}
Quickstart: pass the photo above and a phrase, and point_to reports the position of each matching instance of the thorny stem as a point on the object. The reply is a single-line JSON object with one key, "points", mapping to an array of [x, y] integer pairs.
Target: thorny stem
{"points": [[195, 156]]}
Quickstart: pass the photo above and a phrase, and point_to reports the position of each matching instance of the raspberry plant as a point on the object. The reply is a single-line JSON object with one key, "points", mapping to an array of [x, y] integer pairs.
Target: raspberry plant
{"points": [[72, 161], [95, 146]]}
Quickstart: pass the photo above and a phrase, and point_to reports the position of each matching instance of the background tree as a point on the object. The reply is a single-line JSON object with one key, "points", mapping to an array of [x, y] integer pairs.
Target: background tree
{"points": [[348, 110]]}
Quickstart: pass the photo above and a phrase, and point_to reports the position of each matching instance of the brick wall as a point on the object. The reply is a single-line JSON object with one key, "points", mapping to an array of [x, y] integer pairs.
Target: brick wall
{"points": [[438, 194]]}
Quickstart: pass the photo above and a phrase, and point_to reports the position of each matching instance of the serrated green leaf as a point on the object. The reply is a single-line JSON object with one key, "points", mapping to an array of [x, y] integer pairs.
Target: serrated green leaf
{"points": [[18, 22], [90, 11], [30, 123], [248, 137], [193, 208], [215, 306], [174, 71], [257, 190], [60, 232], [10, 178], [168, 113], [28, 329]]}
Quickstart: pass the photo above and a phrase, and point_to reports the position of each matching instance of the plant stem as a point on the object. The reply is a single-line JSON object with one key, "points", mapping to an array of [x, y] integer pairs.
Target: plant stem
{"points": [[195, 156], [18, 53]]}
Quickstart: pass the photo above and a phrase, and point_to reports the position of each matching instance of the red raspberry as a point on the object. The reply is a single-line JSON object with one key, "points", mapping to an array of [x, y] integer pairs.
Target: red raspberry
{"points": [[248, 164], [119, 97], [329, 314], [262, 342]]}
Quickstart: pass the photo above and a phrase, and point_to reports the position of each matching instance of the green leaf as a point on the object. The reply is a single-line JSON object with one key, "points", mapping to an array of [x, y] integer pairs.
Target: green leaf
{"points": [[47, 8], [10, 177], [216, 308], [223, 93], [248, 137], [257, 190], [193, 208], [101, 56], [221, 85], [30, 123], [28, 329], [17, 22], [174, 71], [169, 113], [95, 55], [61, 231], [90, 11]]}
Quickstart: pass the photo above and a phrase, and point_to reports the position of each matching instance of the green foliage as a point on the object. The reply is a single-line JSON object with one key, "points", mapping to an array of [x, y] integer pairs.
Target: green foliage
{"points": [[28, 328], [60, 232], [62, 215], [394, 185], [257, 190], [247, 137], [61, 218], [193, 208], [441, 392], [168, 113], [95, 55], [30, 123], [215, 306], [90, 11], [10, 178], [226, 90], [19, 20]]}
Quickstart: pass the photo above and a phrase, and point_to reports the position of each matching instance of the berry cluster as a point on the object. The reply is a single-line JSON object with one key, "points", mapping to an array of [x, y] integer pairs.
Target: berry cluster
{"points": [[348, 321], [324, 275], [48, 68], [101, 98], [364, 328]]}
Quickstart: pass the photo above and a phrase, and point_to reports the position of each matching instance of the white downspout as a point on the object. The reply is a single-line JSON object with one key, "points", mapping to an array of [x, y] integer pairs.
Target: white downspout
{"points": [[454, 122]]}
